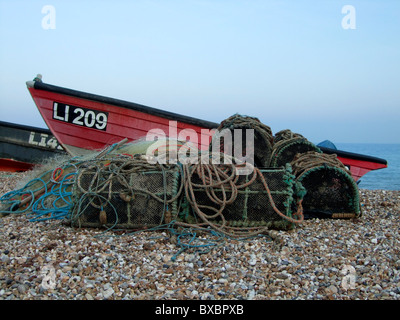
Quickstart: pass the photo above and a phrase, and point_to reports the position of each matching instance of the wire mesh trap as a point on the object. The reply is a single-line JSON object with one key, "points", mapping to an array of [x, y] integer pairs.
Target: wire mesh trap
{"points": [[129, 194], [287, 145], [240, 205], [331, 190]]}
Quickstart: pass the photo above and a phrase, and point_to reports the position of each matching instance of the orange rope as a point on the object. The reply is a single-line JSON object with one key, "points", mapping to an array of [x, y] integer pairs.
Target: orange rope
{"points": [[57, 174]]}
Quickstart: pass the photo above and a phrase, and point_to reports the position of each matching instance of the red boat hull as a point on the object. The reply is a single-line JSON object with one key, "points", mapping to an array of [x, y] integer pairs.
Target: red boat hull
{"points": [[82, 124], [11, 165], [360, 167]]}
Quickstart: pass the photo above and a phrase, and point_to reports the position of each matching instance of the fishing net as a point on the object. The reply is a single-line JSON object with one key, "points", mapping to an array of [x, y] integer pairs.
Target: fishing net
{"points": [[241, 130], [127, 187], [242, 205], [105, 182], [331, 190], [287, 145]]}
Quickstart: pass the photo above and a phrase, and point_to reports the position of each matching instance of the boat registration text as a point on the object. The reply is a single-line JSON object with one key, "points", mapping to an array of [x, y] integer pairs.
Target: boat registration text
{"points": [[80, 116]]}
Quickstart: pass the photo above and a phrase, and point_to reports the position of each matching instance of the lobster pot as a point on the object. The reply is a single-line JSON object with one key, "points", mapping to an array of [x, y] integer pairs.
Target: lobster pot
{"points": [[287, 145], [260, 146], [285, 151], [132, 200], [331, 190], [252, 206]]}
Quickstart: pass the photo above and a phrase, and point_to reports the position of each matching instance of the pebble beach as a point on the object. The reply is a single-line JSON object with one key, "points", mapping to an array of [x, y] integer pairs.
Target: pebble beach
{"points": [[321, 259]]}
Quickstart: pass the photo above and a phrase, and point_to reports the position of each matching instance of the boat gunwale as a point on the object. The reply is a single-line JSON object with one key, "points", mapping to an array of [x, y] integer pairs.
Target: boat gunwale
{"points": [[24, 127]]}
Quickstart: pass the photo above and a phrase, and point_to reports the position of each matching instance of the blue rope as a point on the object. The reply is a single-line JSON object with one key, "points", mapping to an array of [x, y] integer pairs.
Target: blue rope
{"points": [[13, 198], [36, 209], [192, 235], [61, 205]]}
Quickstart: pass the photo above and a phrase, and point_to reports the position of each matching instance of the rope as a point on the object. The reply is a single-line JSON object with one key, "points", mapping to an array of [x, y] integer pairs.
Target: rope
{"points": [[286, 134], [309, 160]]}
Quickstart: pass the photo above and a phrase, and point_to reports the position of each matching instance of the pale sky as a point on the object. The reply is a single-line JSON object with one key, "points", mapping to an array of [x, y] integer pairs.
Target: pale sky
{"points": [[293, 64]]}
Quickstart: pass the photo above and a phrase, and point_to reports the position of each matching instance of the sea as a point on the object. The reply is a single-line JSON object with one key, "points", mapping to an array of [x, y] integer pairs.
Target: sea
{"points": [[383, 179]]}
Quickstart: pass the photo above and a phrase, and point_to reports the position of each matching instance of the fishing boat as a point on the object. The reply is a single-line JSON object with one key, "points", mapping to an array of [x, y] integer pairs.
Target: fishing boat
{"points": [[22, 146], [358, 164], [83, 122]]}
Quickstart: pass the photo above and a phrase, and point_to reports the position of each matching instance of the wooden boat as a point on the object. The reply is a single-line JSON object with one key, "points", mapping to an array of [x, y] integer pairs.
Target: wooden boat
{"points": [[82, 122], [21, 146]]}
